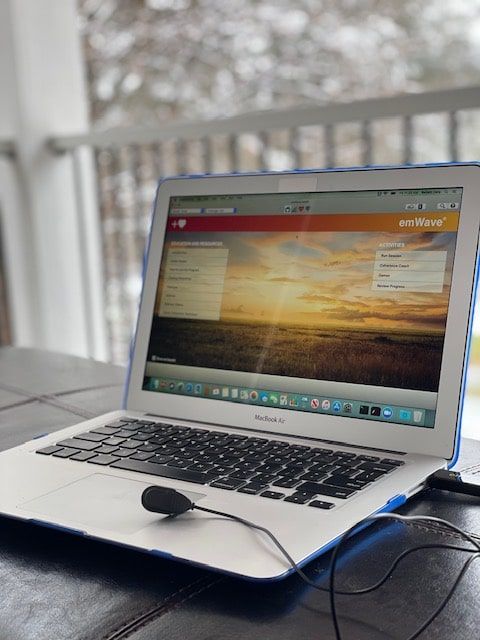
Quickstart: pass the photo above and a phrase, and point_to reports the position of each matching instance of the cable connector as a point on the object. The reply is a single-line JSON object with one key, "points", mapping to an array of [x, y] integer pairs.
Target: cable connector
{"points": [[453, 481]]}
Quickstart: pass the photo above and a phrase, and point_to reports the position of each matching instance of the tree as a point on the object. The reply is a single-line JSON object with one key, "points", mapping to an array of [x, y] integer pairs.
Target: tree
{"points": [[155, 60]]}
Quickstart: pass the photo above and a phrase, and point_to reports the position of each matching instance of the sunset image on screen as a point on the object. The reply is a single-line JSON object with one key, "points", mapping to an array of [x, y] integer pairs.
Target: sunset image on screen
{"points": [[363, 307]]}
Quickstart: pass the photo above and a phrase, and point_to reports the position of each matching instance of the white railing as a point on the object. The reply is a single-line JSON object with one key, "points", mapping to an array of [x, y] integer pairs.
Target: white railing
{"points": [[7, 151], [328, 116], [424, 127]]}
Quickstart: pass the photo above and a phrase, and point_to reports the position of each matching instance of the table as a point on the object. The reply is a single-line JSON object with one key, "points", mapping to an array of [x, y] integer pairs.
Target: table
{"points": [[56, 586]]}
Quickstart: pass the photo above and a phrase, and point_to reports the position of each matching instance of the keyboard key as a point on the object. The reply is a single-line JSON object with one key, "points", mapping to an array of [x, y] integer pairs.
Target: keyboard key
{"points": [[305, 457], [106, 431], [368, 476], [128, 427], [64, 453], [246, 466], [83, 456], [161, 459], [162, 470], [320, 504], [199, 466], [118, 423], [323, 468], [292, 468], [282, 460], [227, 483], [114, 442], [345, 481], [377, 467], [229, 461], [255, 457], [123, 453], [131, 444], [269, 468], [149, 428], [345, 471], [195, 447], [368, 458], [244, 446], [124, 419], [180, 464], [320, 451], [75, 443], [241, 475], [263, 448], [102, 460], [274, 495], [105, 450], [47, 451], [141, 455], [299, 497], [125, 433], [222, 469], [313, 476], [286, 483], [166, 451], [91, 436], [280, 444], [347, 463], [252, 488], [142, 437], [326, 490], [184, 455], [266, 478], [148, 447], [392, 462]]}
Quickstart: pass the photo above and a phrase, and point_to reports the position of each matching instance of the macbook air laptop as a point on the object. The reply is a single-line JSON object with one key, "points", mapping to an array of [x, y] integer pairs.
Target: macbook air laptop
{"points": [[299, 361]]}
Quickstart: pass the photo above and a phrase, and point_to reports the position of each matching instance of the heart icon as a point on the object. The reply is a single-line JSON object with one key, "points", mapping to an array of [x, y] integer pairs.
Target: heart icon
{"points": [[182, 223]]}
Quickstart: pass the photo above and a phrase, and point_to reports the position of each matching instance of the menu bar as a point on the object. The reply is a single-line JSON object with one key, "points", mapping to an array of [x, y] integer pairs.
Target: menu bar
{"points": [[370, 201]]}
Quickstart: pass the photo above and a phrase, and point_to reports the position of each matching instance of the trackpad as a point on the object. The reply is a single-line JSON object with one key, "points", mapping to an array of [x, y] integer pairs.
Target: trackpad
{"points": [[98, 501]]}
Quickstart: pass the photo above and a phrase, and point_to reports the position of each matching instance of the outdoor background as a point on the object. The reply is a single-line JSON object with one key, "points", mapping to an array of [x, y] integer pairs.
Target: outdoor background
{"points": [[151, 62]]}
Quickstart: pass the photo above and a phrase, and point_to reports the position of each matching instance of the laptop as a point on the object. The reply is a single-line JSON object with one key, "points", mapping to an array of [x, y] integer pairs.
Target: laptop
{"points": [[299, 361]]}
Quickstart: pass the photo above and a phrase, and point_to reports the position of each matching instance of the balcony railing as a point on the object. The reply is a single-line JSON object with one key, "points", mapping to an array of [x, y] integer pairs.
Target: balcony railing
{"points": [[7, 151], [426, 127]]}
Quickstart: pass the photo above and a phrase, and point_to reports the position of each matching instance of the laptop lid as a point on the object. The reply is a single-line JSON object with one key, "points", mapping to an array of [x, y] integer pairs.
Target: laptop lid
{"points": [[332, 305]]}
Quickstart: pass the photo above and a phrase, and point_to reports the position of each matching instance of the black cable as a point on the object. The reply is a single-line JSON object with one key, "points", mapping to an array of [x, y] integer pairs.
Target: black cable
{"points": [[361, 591], [275, 540], [396, 562], [446, 599], [170, 502], [399, 518]]}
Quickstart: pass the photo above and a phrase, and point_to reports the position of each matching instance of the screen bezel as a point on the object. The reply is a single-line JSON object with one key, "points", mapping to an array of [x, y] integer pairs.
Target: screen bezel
{"points": [[439, 441]]}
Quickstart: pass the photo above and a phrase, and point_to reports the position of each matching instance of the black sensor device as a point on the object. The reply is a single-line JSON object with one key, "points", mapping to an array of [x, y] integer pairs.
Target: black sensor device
{"points": [[165, 500]]}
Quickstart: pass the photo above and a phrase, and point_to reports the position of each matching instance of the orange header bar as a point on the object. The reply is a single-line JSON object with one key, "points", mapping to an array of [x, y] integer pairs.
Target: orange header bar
{"points": [[418, 222]]}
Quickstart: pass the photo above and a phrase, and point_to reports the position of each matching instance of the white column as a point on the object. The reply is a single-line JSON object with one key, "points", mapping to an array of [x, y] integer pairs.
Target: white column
{"points": [[43, 94]]}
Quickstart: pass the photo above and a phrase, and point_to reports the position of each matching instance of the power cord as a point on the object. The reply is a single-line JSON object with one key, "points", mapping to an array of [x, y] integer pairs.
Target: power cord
{"points": [[453, 481], [173, 503], [394, 516]]}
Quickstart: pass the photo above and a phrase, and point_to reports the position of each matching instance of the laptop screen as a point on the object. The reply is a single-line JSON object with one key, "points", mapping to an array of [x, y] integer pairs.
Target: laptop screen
{"points": [[330, 303]]}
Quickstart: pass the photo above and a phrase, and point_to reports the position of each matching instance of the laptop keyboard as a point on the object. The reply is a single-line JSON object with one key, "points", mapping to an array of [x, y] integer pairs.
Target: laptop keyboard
{"points": [[273, 469]]}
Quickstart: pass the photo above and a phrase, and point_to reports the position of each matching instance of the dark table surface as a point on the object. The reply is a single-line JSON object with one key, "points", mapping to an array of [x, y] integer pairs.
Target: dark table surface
{"points": [[55, 586]]}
